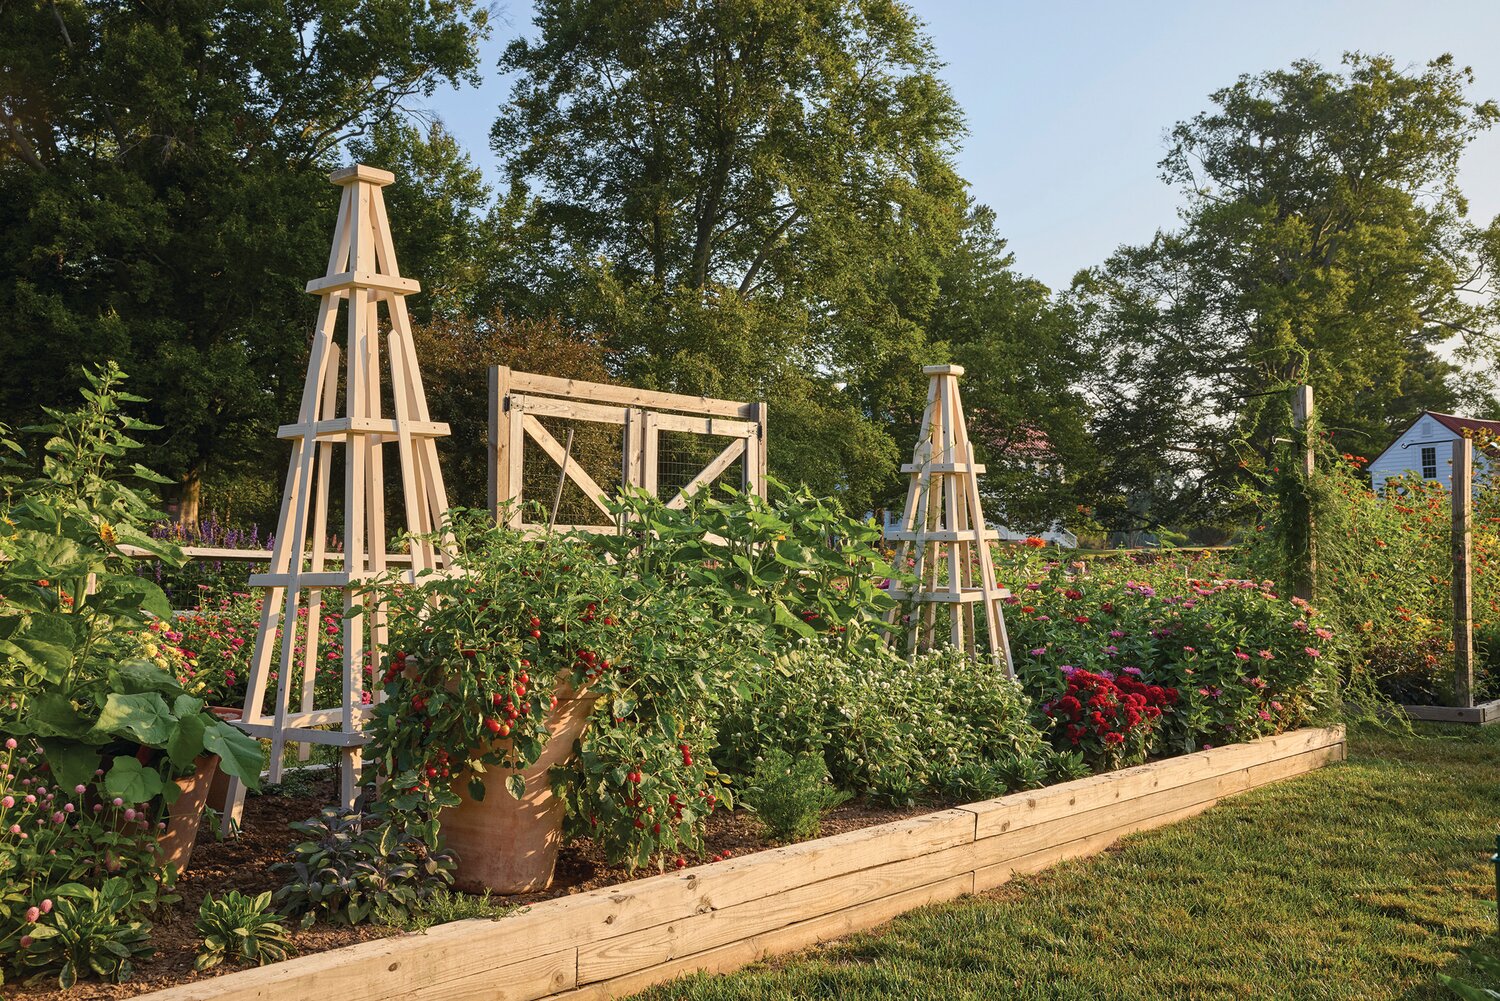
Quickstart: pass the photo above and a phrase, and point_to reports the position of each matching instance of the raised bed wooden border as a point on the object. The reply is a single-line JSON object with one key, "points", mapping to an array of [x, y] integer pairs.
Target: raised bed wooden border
{"points": [[618, 940], [1481, 715]]}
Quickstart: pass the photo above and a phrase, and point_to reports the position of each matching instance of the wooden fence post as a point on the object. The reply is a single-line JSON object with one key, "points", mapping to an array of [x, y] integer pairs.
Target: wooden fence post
{"points": [[1463, 611], [1302, 419], [499, 478]]}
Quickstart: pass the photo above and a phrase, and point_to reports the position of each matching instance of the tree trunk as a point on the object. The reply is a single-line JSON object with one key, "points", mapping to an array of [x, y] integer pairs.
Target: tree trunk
{"points": [[189, 492]]}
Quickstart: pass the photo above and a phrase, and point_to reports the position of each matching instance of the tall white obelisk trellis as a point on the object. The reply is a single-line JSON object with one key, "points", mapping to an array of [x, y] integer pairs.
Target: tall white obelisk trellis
{"points": [[362, 271], [943, 532]]}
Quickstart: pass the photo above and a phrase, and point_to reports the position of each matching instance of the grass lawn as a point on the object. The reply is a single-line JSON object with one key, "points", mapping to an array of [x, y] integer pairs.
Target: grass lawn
{"points": [[1358, 881]]}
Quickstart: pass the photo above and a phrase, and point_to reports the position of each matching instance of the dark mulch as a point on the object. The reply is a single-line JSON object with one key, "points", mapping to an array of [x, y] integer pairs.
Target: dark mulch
{"points": [[244, 864]]}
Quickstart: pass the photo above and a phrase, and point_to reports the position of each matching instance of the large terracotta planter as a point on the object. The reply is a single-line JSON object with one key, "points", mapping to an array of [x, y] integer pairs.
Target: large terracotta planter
{"points": [[176, 843], [509, 845]]}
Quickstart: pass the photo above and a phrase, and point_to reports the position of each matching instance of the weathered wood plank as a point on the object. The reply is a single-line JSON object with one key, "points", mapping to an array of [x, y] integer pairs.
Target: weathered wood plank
{"points": [[708, 929], [1484, 713], [530, 382], [1033, 837], [1038, 805], [782, 940]]}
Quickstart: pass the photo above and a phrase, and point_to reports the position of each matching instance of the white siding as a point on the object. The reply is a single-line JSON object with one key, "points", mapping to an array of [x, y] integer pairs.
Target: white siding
{"points": [[1405, 454]]}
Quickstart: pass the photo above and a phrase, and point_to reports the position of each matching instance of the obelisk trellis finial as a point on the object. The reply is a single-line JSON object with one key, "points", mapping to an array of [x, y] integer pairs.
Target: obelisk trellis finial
{"points": [[943, 531], [362, 271]]}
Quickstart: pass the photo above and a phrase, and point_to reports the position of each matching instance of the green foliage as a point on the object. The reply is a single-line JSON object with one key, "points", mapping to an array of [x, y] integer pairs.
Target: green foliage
{"points": [[795, 566], [1308, 253], [71, 667], [241, 929], [744, 194], [937, 727], [164, 195], [91, 932], [56, 841], [443, 905], [349, 866], [789, 795], [95, 729]]}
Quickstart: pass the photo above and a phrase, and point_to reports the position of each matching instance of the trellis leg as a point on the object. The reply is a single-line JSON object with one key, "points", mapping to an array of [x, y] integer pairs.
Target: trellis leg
{"points": [[314, 631]]}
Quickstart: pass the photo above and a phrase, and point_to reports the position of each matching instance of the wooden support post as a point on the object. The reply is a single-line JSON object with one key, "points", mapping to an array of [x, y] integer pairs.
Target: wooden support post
{"points": [[1463, 580], [499, 472], [1302, 420]]}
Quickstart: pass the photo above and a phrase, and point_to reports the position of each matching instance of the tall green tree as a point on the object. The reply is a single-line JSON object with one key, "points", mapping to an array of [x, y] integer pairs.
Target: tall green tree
{"points": [[163, 198], [1324, 239], [1023, 367], [752, 198], [438, 206]]}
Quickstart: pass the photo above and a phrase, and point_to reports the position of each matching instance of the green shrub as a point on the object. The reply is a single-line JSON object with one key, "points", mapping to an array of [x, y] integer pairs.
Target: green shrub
{"points": [[90, 933], [789, 795], [239, 928], [939, 726], [350, 865]]}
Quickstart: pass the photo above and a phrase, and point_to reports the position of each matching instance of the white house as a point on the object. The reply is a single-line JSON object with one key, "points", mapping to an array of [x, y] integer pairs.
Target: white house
{"points": [[1426, 449]]}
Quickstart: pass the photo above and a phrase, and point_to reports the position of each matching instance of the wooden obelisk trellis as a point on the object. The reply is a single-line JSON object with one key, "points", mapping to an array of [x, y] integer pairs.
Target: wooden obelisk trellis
{"points": [[943, 531], [362, 271]]}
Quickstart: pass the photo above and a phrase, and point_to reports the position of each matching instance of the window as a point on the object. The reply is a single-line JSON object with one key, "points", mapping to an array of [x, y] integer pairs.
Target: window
{"points": [[1429, 462]]}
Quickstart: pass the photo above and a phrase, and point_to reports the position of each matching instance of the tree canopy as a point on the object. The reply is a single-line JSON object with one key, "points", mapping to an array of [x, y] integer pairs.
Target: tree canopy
{"points": [[1323, 240], [163, 197]]}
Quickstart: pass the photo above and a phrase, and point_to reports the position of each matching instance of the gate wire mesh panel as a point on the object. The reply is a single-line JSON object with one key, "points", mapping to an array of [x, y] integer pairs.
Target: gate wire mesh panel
{"points": [[682, 455], [596, 451]]}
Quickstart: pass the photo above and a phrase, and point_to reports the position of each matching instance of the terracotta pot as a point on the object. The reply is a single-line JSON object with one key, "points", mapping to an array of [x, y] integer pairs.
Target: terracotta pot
{"points": [[176, 843], [218, 790], [509, 845]]}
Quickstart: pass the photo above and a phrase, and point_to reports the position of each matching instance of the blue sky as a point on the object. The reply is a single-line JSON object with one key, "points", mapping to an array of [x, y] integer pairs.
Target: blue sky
{"points": [[1067, 102]]}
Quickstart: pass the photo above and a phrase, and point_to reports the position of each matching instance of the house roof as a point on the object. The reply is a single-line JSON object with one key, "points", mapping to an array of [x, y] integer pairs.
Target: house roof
{"points": [[1458, 425]]}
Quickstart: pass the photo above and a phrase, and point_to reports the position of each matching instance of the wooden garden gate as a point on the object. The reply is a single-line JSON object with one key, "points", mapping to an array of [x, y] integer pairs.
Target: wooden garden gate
{"points": [[520, 402]]}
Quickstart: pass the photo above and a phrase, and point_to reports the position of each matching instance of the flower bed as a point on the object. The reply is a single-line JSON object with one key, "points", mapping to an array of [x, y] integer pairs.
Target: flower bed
{"points": [[618, 940]]}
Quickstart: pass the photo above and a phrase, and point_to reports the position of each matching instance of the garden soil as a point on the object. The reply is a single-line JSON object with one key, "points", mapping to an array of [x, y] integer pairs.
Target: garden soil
{"points": [[245, 863]]}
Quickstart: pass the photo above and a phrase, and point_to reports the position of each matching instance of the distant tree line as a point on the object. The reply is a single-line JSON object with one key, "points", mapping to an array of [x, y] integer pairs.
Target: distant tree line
{"points": [[729, 198]]}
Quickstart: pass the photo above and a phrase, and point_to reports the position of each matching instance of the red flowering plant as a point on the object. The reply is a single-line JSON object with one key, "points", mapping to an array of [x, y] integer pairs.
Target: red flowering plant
{"points": [[1109, 719], [1244, 660], [210, 648]]}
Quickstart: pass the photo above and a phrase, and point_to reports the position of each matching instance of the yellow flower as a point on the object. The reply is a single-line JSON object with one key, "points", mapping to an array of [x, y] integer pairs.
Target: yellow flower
{"points": [[106, 533]]}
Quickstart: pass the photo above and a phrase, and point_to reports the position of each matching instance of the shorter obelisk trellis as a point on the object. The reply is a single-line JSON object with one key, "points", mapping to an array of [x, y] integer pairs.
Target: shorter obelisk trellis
{"points": [[943, 532], [362, 270]]}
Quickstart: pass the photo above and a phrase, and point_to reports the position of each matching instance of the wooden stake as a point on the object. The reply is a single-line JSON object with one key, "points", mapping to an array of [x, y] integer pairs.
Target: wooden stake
{"points": [[1302, 419], [1463, 581]]}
